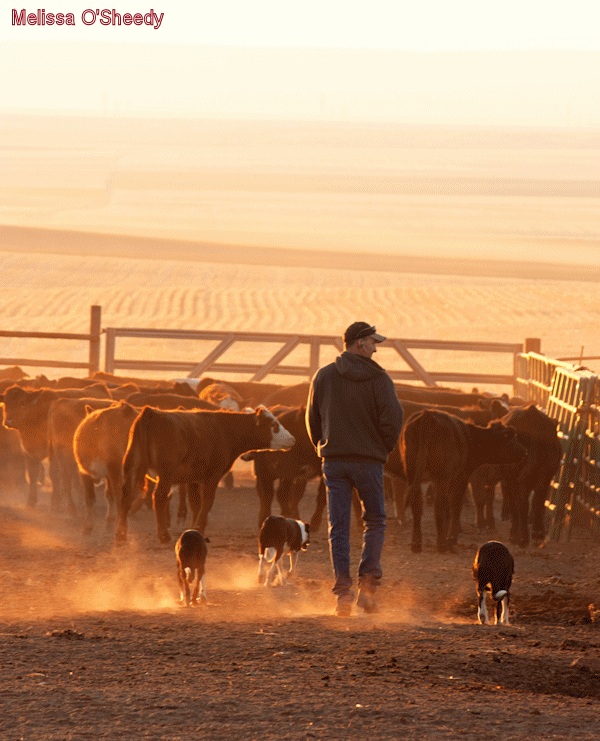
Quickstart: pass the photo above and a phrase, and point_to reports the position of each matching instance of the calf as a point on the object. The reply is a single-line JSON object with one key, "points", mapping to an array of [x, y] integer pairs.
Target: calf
{"points": [[26, 410], [182, 447], [99, 445], [537, 432], [280, 536], [190, 551], [493, 571], [443, 449]]}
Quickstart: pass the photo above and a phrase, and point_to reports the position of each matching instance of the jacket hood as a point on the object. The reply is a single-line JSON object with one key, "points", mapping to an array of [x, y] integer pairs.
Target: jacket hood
{"points": [[356, 368]]}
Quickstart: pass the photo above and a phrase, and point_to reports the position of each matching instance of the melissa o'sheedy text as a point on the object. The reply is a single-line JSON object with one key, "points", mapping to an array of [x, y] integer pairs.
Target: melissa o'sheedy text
{"points": [[106, 17]]}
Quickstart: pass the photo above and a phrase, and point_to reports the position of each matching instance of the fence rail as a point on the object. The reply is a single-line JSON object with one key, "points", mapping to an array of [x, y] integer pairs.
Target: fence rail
{"points": [[92, 338], [223, 342], [572, 397]]}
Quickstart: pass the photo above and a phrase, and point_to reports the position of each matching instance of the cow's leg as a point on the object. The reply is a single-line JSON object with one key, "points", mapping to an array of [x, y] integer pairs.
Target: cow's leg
{"points": [[113, 487], [68, 469], [296, 493], [523, 490], [398, 487], [56, 481], [489, 519], [505, 513], [209, 490], [182, 490], [479, 500], [34, 469], [456, 495], [538, 508], [124, 500], [415, 498], [160, 500], [284, 497], [265, 490], [315, 520], [442, 518], [194, 492], [510, 495], [89, 495]]}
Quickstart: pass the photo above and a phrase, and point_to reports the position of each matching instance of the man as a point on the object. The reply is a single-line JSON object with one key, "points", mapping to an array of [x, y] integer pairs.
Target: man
{"points": [[354, 419]]}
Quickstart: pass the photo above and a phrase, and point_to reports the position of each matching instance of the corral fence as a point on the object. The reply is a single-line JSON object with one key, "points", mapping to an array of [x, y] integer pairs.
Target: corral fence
{"points": [[285, 344], [571, 395], [92, 339], [566, 392]]}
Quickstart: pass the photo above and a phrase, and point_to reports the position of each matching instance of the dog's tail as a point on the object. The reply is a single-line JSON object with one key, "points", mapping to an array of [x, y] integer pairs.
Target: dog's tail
{"points": [[270, 554], [500, 594]]}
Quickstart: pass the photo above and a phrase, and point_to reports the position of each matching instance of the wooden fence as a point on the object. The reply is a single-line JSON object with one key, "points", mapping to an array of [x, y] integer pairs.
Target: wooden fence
{"points": [[92, 338], [572, 397], [285, 344]]}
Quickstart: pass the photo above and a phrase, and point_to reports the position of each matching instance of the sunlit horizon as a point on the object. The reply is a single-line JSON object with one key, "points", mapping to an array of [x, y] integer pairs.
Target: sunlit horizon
{"points": [[440, 63]]}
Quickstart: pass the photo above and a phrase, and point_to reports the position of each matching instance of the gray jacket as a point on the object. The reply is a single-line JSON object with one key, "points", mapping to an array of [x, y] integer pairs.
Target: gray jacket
{"points": [[353, 410]]}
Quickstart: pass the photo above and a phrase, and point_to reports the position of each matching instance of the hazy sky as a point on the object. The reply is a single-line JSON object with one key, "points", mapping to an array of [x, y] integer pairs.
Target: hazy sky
{"points": [[526, 62]]}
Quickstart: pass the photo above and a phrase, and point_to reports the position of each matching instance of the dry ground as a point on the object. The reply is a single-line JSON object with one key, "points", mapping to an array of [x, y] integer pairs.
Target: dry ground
{"points": [[94, 645]]}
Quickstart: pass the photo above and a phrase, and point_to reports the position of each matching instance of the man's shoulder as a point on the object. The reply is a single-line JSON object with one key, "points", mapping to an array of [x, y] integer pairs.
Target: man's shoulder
{"points": [[326, 370]]}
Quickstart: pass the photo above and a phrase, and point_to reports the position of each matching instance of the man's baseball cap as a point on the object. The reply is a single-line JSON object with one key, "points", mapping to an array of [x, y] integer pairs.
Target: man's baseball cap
{"points": [[358, 330]]}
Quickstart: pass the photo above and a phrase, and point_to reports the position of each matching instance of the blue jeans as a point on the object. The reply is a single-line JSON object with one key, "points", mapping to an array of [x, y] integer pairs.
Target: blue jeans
{"points": [[367, 478]]}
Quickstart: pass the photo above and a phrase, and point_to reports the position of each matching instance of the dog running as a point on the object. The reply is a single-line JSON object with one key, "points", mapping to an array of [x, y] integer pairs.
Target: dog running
{"points": [[279, 536]]}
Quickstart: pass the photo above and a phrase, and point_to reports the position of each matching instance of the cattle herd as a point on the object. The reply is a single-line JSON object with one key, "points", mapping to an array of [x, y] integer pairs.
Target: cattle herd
{"points": [[141, 439]]}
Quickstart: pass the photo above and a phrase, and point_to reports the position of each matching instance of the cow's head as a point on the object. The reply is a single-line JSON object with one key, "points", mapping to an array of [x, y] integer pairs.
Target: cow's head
{"points": [[505, 446], [281, 439]]}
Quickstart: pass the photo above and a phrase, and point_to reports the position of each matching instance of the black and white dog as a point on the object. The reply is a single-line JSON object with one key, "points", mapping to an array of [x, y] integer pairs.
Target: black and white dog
{"points": [[279, 536], [191, 551], [493, 571]]}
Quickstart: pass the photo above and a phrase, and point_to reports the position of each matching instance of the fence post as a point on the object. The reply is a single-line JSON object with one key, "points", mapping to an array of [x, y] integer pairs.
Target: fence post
{"points": [[109, 350], [95, 329], [533, 344], [313, 365]]}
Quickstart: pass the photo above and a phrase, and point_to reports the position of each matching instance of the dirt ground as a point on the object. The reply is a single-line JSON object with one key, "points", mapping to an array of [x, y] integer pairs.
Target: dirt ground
{"points": [[93, 643]]}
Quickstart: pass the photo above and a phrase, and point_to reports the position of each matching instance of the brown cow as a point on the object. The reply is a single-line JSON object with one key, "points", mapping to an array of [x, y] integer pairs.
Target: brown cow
{"points": [[12, 462], [64, 416], [222, 395], [295, 395], [103, 377], [169, 401], [14, 373], [443, 449], [26, 410], [191, 447], [99, 445], [445, 397], [253, 392], [538, 433]]}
